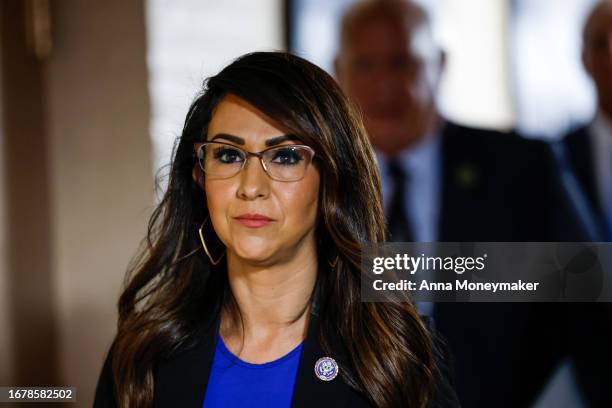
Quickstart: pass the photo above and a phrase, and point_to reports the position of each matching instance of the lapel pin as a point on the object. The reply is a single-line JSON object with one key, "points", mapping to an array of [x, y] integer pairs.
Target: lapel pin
{"points": [[326, 368], [466, 176]]}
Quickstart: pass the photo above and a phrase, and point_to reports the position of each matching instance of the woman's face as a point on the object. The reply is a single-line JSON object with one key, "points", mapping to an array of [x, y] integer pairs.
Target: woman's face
{"points": [[237, 204]]}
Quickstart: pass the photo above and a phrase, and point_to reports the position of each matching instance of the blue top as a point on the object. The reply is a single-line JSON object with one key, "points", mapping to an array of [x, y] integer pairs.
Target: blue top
{"points": [[236, 383]]}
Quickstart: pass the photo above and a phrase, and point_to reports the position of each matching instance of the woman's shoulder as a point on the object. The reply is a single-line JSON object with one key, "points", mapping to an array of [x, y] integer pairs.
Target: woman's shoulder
{"points": [[105, 390], [445, 394]]}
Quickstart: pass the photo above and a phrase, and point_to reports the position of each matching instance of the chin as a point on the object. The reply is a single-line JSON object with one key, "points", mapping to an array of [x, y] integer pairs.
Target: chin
{"points": [[254, 256], [254, 249]]}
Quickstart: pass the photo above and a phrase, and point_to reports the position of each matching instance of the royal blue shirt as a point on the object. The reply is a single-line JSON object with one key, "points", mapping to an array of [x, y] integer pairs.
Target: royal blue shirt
{"points": [[236, 383]]}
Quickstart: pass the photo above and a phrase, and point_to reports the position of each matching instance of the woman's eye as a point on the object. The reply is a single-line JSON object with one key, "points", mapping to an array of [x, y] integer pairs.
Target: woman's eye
{"points": [[286, 157], [227, 155]]}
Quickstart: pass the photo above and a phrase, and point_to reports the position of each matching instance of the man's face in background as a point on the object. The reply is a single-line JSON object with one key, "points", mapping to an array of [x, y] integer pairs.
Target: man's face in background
{"points": [[391, 71]]}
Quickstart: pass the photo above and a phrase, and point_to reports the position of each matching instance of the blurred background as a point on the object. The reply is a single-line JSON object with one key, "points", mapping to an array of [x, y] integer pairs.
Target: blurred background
{"points": [[94, 93]]}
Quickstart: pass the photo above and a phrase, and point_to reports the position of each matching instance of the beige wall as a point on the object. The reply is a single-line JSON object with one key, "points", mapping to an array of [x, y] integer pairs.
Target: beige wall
{"points": [[76, 187], [100, 172], [31, 323]]}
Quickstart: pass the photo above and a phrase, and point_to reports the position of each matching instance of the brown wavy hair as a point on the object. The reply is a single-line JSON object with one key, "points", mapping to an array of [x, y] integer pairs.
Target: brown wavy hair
{"points": [[171, 284]]}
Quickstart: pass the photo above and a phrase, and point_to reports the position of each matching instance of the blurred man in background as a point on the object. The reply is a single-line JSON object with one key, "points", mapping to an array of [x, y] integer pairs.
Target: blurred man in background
{"points": [[588, 152], [590, 147], [445, 182], [460, 183]]}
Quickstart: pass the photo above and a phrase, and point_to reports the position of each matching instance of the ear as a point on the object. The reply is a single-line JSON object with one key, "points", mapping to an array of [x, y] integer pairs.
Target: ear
{"points": [[443, 60], [436, 76], [198, 176], [586, 61]]}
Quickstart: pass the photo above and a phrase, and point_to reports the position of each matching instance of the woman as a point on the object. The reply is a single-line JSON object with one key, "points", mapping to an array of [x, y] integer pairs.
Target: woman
{"points": [[248, 292]]}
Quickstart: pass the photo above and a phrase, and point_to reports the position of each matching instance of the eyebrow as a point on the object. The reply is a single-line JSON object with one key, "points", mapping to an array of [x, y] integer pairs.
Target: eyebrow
{"points": [[231, 138], [270, 142], [280, 139]]}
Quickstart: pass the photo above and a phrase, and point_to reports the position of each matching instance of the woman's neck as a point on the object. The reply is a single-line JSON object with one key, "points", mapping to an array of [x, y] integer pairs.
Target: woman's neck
{"points": [[273, 302]]}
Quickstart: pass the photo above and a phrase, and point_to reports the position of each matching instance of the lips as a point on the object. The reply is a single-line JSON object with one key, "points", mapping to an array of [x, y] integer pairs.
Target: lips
{"points": [[253, 220]]}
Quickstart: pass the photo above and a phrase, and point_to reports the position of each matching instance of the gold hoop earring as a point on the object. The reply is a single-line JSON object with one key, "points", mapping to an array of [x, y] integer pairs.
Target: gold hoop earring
{"points": [[212, 261]]}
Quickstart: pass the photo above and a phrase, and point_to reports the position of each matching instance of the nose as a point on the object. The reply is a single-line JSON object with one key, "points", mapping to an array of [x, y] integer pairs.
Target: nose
{"points": [[387, 83], [254, 182]]}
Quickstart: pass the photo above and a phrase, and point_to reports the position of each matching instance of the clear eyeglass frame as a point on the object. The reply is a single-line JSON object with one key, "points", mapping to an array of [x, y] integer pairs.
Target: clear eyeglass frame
{"points": [[265, 157]]}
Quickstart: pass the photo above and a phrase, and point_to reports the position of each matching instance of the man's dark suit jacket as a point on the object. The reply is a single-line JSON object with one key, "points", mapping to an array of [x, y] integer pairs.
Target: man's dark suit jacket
{"points": [[578, 155], [181, 380], [591, 340], [498, 187]]}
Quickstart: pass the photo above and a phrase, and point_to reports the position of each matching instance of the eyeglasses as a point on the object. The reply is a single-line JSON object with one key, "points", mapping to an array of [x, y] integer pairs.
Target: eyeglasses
{"points": [[281, 163]]}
